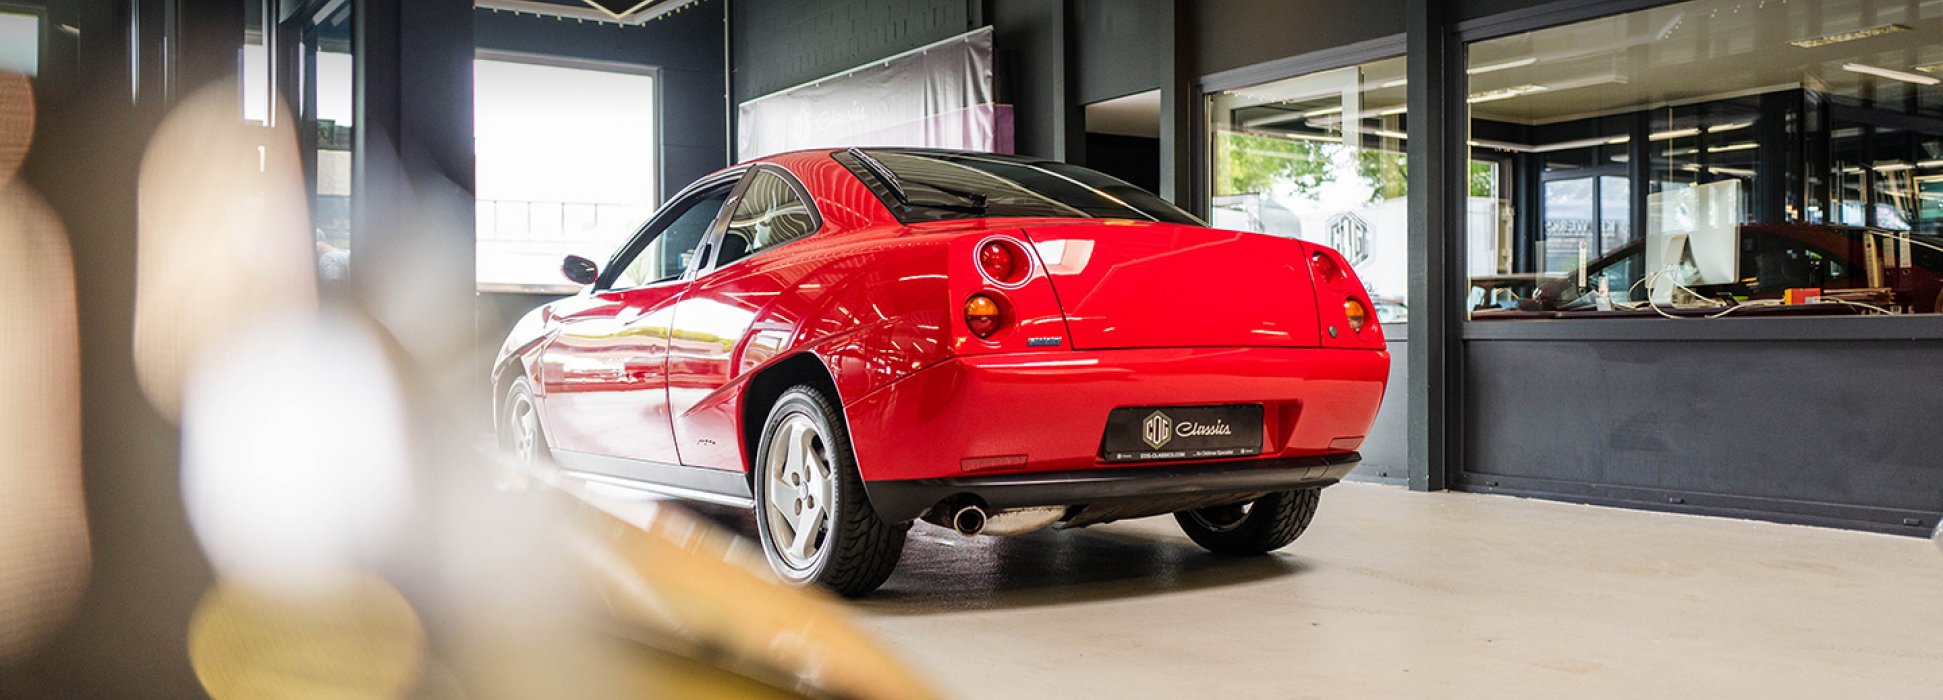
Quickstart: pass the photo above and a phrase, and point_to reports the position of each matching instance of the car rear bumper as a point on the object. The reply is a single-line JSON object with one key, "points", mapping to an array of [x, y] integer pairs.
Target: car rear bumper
{"points": [[1046, 412], [898, 501]]}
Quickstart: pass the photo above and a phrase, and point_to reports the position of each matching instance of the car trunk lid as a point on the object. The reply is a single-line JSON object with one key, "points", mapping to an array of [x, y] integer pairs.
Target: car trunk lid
{"points": [[1125, 284]]}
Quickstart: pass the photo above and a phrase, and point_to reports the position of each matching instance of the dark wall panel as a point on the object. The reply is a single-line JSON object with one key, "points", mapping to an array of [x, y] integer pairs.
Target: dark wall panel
{"points": [[1027, 42], [1117, 44], [685, 46], [1825, 431], [1235, 33], [779, 44]]}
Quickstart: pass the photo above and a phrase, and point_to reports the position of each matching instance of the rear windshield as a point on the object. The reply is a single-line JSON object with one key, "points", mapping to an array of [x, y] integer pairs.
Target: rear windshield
{"points": [[940, 185]]}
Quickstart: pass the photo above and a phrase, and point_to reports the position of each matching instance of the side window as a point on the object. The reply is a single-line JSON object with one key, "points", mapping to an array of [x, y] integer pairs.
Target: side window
{"points": [[770, 214], [672, 249]]}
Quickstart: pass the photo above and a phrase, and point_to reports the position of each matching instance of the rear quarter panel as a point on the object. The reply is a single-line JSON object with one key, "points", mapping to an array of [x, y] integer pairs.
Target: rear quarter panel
{"points": [[870, 305]]}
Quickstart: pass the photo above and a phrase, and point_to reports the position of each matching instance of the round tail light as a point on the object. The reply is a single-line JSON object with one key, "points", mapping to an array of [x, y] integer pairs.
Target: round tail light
{"points": [[1324, 267], [1358, 316], [983, 315], [1002, 261]]}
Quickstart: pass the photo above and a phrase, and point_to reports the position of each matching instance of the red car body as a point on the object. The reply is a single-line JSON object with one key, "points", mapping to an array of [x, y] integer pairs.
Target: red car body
{"points": [[665, 386]]}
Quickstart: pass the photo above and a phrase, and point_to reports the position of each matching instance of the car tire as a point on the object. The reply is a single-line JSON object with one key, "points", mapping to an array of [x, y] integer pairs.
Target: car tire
{"points": [[806, 477], [520, 433], [1256, 527]]}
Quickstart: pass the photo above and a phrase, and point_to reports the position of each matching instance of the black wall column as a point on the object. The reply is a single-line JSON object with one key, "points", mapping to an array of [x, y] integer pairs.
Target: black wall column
{"points": [[413, 239], [1437, 159], [1178, 94], [1069, 118]]}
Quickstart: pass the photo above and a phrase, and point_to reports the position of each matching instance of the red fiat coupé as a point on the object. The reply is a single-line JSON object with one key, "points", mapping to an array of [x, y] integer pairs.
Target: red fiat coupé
{"points": [[851, 340]]}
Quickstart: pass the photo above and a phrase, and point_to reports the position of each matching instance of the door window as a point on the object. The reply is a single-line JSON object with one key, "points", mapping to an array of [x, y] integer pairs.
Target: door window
{"points": [[770, 214], [665, 254]]}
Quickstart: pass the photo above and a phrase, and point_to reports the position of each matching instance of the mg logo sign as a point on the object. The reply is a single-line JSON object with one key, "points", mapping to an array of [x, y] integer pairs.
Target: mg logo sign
{"points": [[1350, 235], [1157, 430]]}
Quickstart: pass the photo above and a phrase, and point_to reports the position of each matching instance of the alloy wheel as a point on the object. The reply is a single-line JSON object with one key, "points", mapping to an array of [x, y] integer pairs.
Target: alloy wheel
{"points": [[525, 425], [799, 494]]}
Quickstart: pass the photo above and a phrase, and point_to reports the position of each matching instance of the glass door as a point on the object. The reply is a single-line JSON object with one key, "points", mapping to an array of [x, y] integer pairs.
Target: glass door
{"points": [[1585, 214]]}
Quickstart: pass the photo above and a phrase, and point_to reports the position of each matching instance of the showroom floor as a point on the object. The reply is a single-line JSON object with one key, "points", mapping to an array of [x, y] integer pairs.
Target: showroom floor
{"points": [[1400, 594]]}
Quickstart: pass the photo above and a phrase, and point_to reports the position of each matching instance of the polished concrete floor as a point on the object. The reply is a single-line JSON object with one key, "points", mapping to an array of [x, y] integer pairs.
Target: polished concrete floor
{"points": [[1397, 594], [1400, 594]]}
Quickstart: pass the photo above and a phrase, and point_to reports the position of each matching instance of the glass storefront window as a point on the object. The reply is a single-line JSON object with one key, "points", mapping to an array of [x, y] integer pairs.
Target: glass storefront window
{"points": [[548, 186], [1320, 157], [1697, 159]]}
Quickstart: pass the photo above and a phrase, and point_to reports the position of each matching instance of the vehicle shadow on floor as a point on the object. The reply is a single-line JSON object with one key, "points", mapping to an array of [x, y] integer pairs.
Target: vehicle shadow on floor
{"points": [[942, 571]]}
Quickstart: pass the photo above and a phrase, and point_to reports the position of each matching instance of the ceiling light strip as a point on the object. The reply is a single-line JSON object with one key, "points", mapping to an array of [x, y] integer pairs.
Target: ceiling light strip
{"points": [[1880, 72], [1837, 38]]}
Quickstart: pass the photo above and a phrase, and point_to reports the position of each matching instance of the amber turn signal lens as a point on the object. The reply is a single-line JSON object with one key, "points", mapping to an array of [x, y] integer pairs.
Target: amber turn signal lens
{"points": [[1358, 316], [982, 315], [1325, 268]]}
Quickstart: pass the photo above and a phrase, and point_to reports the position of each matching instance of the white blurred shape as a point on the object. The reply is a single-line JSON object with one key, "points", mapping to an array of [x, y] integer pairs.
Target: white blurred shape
{"points": [[295, 455]]}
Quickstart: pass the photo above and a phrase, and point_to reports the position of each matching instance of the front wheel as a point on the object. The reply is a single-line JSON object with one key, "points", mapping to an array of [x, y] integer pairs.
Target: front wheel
{"points": [[519, 426], [1256, 527], [816, 524]]}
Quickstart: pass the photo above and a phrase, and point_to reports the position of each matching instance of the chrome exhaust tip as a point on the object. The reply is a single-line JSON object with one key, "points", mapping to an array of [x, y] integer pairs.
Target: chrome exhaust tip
{"points": [[969, 520]]}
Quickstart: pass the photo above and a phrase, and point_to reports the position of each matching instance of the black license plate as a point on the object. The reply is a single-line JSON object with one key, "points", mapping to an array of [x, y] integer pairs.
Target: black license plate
{"points": [[1182, 432]]}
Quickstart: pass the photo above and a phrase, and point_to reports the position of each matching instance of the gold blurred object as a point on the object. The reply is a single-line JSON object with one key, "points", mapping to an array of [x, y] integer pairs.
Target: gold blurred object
{"points": [[223, 235], [16, 124], [44, 550], [360, 639], [680, 577]]}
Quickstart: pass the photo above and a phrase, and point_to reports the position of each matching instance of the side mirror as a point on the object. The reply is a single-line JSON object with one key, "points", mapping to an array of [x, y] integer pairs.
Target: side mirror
{"points": [[580, 270]]}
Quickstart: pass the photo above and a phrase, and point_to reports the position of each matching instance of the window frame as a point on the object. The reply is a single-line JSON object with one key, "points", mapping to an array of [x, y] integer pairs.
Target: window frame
{"points": [[666, 215], [714, 239]]}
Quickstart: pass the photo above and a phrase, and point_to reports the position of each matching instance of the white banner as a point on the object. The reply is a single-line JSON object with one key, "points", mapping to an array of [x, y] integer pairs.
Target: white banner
{"points": [[937, 96]]}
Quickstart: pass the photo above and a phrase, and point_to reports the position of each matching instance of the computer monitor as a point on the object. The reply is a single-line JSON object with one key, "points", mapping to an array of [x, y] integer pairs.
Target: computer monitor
{"points": [[1693, 237]]}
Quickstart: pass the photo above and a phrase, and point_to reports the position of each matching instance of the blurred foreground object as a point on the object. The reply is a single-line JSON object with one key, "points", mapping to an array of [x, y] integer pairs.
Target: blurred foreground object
{"points": [[1937, 536], [223, 236], [44, 550], [360, 557], [360, 641], [671, 573], [16, 124], [295, 457]]}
